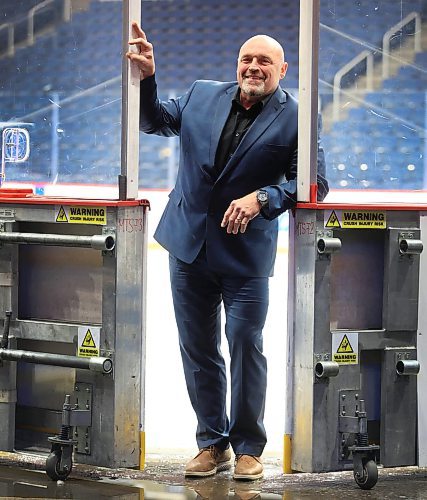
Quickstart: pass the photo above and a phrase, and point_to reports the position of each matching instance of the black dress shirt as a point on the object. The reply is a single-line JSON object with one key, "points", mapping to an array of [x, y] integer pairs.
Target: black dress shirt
{"points": [[238, 122]]}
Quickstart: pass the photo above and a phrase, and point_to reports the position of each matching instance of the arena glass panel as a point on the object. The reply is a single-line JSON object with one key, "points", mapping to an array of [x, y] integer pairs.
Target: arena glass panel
{"points": [[199, 39], [60, 93], [372, 94]]}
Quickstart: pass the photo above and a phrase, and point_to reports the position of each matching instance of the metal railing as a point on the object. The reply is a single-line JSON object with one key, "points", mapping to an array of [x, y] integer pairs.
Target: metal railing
{"points": [[29, 19], [46, 5], [10, 38], [368, 55], [413, 16], [365, 54]]}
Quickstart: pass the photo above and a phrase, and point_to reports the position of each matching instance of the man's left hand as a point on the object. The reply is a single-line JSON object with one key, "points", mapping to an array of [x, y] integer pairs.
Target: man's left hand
{"points": [[240, 213]]}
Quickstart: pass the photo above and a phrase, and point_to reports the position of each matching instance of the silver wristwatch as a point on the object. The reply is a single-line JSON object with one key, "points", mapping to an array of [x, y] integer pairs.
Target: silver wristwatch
{"points": [[262, 197]]}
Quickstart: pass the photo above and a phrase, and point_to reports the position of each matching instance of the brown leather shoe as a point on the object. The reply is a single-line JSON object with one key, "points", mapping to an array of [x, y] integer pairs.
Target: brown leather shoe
{"points": [[247, 494], [208, 462], [248, 467]]}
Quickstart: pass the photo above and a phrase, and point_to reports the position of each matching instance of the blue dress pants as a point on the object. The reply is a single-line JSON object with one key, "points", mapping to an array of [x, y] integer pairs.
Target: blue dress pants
{"points": [[197, 294]]}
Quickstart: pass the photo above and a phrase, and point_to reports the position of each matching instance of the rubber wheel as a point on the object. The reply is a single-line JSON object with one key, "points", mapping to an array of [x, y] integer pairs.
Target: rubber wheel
{"points": [[370, 475], [52, 467]]}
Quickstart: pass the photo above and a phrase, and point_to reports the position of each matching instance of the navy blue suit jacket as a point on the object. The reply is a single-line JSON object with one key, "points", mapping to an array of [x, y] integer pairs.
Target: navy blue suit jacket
{"points": [[265, 158]]}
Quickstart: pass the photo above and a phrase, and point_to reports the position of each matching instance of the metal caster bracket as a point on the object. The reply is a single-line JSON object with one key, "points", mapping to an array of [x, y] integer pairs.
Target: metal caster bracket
{"points": [[353, 425], [60, 460]]}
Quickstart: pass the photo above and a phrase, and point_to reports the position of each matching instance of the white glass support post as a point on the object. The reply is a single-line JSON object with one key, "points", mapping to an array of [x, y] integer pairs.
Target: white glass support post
{"points": [[307, 175], [308, 97], [128, 184]]}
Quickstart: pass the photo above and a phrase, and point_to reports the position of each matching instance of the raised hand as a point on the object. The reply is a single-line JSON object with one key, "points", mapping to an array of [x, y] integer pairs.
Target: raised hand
{"points": [[143, 57]]}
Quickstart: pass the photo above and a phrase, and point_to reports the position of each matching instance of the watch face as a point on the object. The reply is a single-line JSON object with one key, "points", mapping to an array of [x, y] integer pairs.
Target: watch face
{"points": [[262, 196]]}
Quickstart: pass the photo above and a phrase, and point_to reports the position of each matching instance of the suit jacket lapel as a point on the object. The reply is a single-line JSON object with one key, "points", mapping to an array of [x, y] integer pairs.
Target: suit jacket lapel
{"points": [[271, 110], [221, 114]]}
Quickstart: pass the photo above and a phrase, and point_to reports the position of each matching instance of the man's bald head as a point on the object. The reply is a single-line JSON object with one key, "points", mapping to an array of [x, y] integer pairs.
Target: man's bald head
{"points": [[260, 66], [266, 41]]}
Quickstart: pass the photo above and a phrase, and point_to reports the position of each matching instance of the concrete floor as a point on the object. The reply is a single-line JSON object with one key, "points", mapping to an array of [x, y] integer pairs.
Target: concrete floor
{"points": [[22, 476]]}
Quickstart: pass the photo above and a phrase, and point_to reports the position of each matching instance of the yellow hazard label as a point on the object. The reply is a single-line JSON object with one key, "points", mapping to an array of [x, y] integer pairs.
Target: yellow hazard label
{"points": [[345, 359], [85, 352], [333, 220], [355, 219], [88, 344], [81, 215], [61, 216], [88, 340], [345, 348], [345, 345]]}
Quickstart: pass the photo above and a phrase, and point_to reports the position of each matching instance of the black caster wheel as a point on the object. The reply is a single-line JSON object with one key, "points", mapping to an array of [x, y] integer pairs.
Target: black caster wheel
{"points": [[53, 469], [369, 477]]}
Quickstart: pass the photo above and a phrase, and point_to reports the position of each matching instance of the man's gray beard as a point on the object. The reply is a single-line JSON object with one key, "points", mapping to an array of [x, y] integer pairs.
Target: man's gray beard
{"points": [[259, 91]]}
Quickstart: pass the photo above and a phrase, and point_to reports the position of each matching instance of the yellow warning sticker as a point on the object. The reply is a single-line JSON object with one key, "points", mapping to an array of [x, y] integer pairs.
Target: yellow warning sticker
{"points": [[345, 348], [345, 345], [333, 220], [88, 341], [81, 215], [61, 216], [355, 219]]}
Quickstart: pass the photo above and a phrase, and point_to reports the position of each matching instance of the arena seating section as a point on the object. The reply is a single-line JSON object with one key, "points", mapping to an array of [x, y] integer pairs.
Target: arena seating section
{"points": [[378, 145]]}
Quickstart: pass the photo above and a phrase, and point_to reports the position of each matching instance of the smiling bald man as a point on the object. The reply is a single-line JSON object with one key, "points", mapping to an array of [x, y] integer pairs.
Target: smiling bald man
{"points": [[237, 174]]}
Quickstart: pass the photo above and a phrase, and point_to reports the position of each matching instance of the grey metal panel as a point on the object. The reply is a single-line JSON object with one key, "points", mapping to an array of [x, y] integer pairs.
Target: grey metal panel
{"points": [[41, 392], [422, 349], [398, 411], [7, 369], [322, 339], [346, 291], [115, 432], [327, 443], [70, 289], [380, 339], [325, 453], [370, 385], [60, 283], [104, 387], [45, 330], [289, 390], [44, 386], [129, 339], [7, 405], [9, 277], [144, 252], [357, 280], [39, 423], [403, 218], [401, 284], [303, 296], [36, 213]]}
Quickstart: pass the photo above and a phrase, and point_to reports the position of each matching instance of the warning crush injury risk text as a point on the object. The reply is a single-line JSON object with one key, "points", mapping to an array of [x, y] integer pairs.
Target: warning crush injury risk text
{"points": [[81, 215], [355, 219]]}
